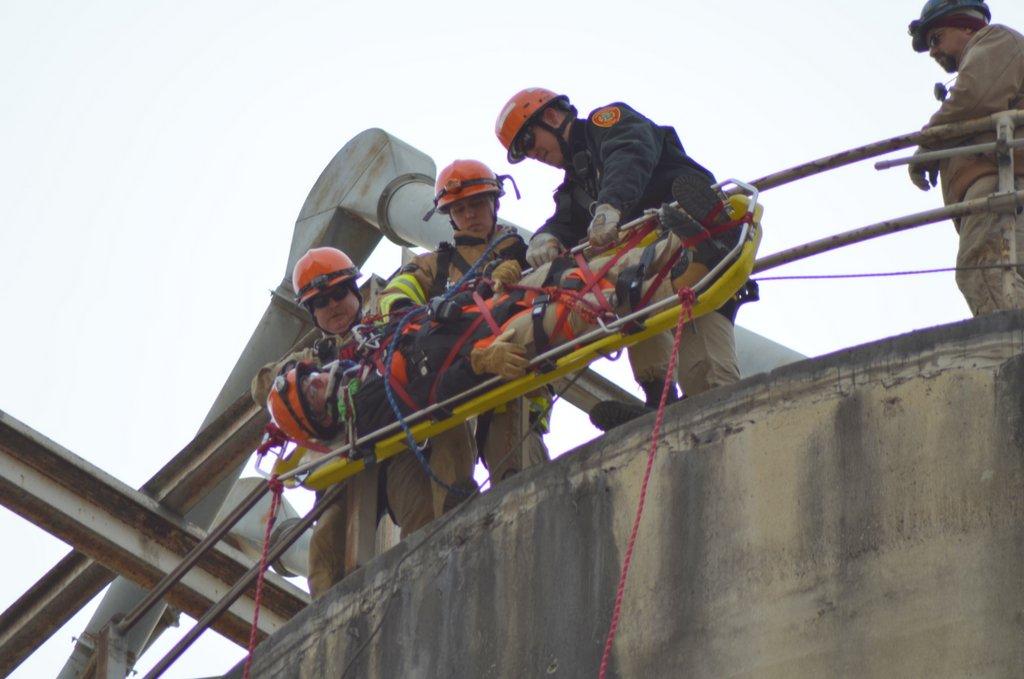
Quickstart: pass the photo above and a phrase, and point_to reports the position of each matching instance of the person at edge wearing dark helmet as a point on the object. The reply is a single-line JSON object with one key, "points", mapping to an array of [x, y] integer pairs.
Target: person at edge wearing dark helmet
{"points": [[618, 163], [325, 283], [989, 62], [510, 438], [501, 323]]}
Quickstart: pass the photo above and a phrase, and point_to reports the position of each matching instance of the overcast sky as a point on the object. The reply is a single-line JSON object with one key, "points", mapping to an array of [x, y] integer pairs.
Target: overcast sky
{"points": [[154, 156]]}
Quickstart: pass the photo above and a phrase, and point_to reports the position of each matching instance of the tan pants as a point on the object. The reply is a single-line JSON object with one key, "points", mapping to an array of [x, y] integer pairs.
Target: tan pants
{"points": [[413, 497], [511, 445], [649, 359], [327, 548], [981, 241], [707, 353]]}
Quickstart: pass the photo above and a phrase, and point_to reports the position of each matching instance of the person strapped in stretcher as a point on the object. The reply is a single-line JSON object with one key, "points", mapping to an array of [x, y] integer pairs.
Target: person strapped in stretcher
{"points": [[495, 326]]}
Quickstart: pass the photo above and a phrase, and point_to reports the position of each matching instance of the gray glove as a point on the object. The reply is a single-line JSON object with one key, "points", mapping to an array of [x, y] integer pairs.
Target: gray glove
{"points": [[924, 174], [543, 248], [604, 227]]}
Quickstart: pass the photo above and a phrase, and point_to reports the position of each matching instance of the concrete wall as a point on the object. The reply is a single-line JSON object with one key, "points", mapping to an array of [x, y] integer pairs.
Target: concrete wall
{"points": [[860, 514]]}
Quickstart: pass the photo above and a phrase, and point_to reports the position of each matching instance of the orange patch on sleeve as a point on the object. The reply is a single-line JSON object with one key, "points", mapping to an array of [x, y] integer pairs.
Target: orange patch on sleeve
{"points": [[607, 116]]}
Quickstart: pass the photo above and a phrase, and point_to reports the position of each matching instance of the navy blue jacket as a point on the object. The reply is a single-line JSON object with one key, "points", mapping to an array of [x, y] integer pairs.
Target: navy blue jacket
{"points": [[621, 158]]}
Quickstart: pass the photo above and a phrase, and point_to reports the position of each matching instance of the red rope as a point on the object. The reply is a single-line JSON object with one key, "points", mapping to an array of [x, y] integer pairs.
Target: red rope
{"points": [[686, 298], [276, 488]]}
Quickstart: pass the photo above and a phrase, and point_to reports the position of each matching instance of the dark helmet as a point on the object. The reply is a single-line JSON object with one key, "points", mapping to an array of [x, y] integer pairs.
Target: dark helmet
{"points": [[936, 9]]}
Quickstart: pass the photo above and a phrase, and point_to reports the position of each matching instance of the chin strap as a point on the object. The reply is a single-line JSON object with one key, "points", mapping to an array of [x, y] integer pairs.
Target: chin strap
{"points": [[559, 133]]}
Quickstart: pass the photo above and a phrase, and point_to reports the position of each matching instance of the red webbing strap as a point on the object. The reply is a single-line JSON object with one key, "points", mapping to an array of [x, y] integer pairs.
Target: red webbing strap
{"points": [[396, 386], [452, 355], [561, 320], [662, 275], [592, 281], [485, 313]]}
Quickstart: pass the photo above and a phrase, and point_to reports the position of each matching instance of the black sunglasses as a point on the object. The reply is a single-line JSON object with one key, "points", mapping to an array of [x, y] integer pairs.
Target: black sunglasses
{"points": [[525, 141], [332, 294]]}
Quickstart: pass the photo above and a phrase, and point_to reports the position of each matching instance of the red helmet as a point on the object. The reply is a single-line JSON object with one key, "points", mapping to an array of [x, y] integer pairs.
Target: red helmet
{"points": [[521, 109], [288, 407], [462, 179], [319, 269]]}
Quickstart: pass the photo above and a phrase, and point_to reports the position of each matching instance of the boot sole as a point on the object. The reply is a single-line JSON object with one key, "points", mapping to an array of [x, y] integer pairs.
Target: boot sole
{"points": [[608, 415], [695, 195]]}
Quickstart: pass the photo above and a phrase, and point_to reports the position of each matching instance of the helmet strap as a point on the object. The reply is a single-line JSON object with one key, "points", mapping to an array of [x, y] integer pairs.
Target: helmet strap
{"points": [[559, 132]]}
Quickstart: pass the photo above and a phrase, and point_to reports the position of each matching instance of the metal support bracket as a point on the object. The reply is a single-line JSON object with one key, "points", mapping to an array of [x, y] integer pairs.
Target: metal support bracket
{"points": [[112, 657], [1007, 185]]}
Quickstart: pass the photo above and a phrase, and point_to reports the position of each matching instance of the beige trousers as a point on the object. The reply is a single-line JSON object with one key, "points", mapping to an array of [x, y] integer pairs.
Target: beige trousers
{"points": [[327, 548], [413, 497], [707, 354], [511, 444], [981, 241]]}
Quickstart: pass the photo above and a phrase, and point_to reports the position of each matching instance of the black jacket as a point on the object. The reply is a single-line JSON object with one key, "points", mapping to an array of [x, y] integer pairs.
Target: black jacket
{"points": [[620, 158]]}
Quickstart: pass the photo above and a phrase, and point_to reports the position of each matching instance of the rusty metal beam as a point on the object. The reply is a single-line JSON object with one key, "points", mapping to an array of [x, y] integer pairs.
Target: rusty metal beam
{"points": [[126, 531], [213, 455], [47, 605]]}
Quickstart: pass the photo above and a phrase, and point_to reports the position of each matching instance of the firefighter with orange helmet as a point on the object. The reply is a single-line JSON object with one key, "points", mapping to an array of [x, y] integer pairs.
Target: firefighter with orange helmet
{"points": [[324, 280], [468, 191], [617, 163]]}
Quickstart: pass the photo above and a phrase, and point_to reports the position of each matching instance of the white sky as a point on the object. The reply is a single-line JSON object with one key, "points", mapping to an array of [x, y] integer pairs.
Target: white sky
{"points": [[154, 157]]}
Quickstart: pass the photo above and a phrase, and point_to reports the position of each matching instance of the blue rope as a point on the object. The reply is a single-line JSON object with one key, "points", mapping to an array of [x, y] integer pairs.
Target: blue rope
{"points": [[418, 312]]}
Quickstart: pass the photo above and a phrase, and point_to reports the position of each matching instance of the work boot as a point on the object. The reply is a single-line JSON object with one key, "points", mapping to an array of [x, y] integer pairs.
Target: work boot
{"points": [[698, 199], [607, 415], [700, 208]]}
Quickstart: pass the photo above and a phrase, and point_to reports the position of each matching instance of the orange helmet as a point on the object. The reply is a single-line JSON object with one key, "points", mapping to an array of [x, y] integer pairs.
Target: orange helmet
{"points": [[319, 269], [462, 179], [290, 410], [521, 109]]}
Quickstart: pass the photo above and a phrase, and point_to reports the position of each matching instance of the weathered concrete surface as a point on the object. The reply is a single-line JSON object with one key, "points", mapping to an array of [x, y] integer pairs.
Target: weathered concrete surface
{"points": [[861, 514]]}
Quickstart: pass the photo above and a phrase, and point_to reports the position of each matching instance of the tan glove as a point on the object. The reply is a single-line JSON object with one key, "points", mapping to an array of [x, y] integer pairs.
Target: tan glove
{"points": [[604, 227], [505, 274], [500, 357], [260, 386], [924, 174], [543, 248]]}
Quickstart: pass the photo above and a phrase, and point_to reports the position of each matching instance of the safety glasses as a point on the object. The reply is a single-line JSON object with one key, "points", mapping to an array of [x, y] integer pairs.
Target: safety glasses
{"points": [[332, 294], [524, 142]]}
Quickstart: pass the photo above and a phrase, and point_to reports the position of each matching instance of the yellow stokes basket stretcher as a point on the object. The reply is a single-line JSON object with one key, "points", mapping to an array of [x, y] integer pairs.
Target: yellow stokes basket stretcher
{"points": [[715, 289]]}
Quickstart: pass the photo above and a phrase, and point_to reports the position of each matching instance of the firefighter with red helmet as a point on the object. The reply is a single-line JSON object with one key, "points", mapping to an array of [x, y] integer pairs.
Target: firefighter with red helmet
{"points": [[617, 163], [510, 438]]}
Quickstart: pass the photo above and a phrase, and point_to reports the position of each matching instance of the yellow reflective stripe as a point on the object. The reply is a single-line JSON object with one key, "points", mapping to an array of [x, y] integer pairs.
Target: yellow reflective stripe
{"points": [[540, 408], [387, 301], [408, 285], [404, 286]]}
